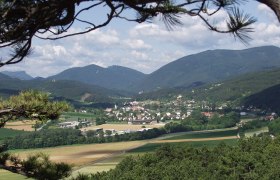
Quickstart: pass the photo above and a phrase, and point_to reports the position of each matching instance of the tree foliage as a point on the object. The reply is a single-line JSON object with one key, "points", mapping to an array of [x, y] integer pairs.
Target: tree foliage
{"points": [[37, 166], [23, 20], [30, 104], [254, 158], [58, 137], [274, 127]]}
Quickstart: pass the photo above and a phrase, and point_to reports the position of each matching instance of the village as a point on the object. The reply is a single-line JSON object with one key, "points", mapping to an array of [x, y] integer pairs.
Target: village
{"points": [[139, 116]]}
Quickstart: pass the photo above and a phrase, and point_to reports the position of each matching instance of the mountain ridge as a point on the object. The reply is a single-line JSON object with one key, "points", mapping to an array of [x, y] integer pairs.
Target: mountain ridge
{"points": [[113, 77], [69, 89], [22, 75], [210, 66]]}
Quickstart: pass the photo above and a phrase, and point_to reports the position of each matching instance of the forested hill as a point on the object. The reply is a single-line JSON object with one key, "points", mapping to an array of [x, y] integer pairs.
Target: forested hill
{"points": [[211, 66], [4, 77], [238, 88], [71, 90], [22, 75], [253, 88], [267, 99], [114, 77]]}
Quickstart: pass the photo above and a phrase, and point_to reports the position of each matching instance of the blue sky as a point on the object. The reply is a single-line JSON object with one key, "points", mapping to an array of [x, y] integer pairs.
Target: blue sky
{"points": [[144, 47]]}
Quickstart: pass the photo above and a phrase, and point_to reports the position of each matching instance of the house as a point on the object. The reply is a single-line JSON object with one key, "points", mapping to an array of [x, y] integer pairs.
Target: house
{"points": [[269, 118], [108, 110], [69, 124], [207, 114]]}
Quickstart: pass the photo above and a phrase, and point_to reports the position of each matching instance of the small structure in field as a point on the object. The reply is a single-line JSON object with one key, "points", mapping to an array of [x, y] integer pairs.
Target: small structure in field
{"points": [[69, 124]]}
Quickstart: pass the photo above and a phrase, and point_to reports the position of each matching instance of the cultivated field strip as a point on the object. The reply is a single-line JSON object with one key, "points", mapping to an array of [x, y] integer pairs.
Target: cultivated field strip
{"points": [[195, 140]]}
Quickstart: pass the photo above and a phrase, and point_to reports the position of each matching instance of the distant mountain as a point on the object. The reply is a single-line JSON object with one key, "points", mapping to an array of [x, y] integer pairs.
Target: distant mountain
{"points": [[211, 66], [114, 77], [22, 75], [4, 77], [66, 89]]}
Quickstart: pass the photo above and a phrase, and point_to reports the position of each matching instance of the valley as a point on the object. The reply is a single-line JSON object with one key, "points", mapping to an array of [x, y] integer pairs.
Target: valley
{"points": [[114, 114]]}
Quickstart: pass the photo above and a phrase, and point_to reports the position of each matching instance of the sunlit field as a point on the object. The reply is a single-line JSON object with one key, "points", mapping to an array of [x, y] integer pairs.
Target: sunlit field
{"points": [[7, 175], [25, 125], [120, 127]]}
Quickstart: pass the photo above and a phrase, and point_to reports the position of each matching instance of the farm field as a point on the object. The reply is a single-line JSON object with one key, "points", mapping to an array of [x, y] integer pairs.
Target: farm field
{"points": [[120, 127], [250, 133], [111, 163], [153, 146], [81, 155], [25, 125], [103, 157], [7, 175], [74, 116], [205, 134], [104, 165]]}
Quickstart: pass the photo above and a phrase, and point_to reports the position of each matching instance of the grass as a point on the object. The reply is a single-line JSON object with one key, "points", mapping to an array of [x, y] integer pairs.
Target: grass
{"points": [[98, 167], [76, 114], [7, 175], [211, 134], [81, 154], [25, 125], [120, 127], [252, 132], [8, 133], [153, 146], [111, 163], [104, 165], [94, 158]]}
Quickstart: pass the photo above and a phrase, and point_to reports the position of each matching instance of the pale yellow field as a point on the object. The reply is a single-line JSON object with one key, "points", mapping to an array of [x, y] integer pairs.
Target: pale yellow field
{"points": [[25, 125], [120, 127], [7, 175], [98, 167], [83, 154], [195, 140]]}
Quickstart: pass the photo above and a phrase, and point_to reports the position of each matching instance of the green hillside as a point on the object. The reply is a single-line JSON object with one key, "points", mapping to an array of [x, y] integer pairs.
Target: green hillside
{"points": [[260, 89], [22, 75], [266, 99], [71, 90], [238, 88], [211, 66]]}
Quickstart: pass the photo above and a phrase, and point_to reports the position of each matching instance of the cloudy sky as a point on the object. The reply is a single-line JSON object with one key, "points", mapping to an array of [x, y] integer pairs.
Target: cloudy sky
{"points": [[144, 47]]}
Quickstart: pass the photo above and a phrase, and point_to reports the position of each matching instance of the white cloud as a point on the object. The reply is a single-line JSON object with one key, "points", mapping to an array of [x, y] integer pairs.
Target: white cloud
{"points": [[138, 55], [145, 47], [137, 44]]}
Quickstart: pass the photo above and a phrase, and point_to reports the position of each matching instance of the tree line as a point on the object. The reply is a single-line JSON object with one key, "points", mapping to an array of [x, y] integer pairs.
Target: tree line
{"points": [[58, 137]]}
